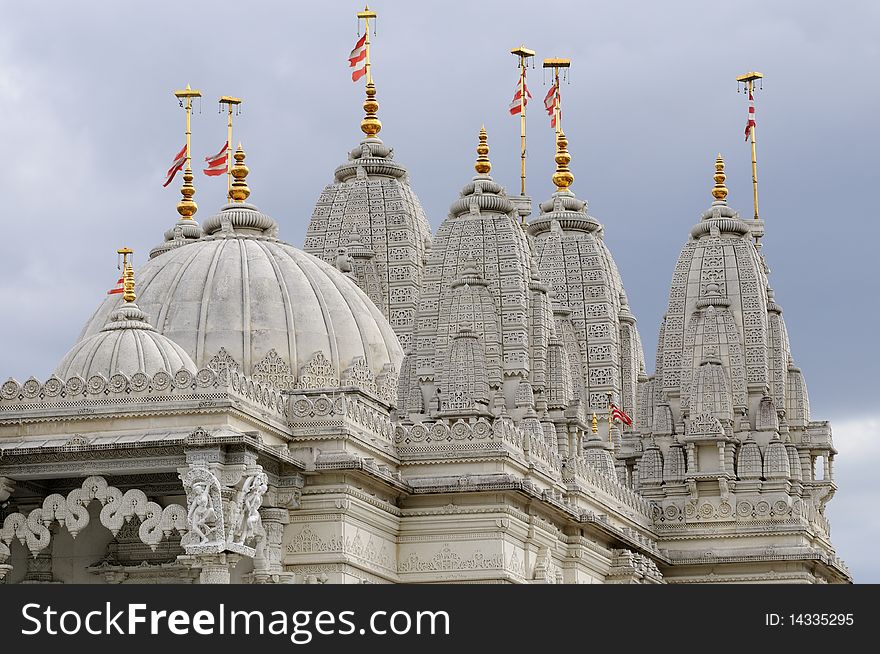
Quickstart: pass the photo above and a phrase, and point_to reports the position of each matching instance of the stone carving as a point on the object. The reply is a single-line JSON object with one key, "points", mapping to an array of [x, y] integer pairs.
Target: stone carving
{"points": [[359, 374], [248, 503], [222, 363], [318, 373], [204, 511], [72, 513], [273, 370]]}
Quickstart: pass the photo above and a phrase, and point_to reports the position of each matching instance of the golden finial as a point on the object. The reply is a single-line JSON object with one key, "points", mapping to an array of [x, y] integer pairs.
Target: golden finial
{"points": [[595, 423], [239, 191], [187, 207], [719, 191], [563, 177], [371, 125], [483, 165], [127, 275]]}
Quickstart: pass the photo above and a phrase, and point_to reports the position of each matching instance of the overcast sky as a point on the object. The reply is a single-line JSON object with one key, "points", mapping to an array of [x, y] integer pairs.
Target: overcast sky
{"points": [[89, 125]]}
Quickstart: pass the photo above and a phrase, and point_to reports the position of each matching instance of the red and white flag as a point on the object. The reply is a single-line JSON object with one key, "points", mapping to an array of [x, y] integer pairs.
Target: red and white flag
{"points": [[618, 414], [119, 288], [551, 100], [176, 166], [751, 122], [518, 102], [358, 59], [217, 164]]}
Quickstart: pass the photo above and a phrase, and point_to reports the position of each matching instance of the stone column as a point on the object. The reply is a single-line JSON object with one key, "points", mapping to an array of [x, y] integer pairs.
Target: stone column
{"points": [[267, 561], [213, 568]]}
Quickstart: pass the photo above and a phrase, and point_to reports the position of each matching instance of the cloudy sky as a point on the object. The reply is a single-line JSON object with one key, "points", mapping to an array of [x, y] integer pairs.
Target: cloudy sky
{"points": [[89, 125]]}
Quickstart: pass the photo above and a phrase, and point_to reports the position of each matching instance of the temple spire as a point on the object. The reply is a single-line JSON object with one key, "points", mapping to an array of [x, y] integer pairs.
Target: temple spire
{"points": [[128, 294], [563, 177], [719, 191], [370, 125], [187, 207], [239, 191], [483, 165]]}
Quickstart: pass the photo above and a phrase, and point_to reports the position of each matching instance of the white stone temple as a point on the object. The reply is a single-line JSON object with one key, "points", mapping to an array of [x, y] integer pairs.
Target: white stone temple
{"points": [[392, 406]]}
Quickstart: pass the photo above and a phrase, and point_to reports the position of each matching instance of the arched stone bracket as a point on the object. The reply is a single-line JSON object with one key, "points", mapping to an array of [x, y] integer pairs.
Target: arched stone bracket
{"points": [[72, 512]]}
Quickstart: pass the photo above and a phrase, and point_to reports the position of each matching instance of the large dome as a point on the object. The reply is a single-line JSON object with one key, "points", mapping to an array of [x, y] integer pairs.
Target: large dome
{"points": [[239, 296]]}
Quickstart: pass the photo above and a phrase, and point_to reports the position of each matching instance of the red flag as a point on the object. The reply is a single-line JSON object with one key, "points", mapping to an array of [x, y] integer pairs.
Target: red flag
{"points": [[218, 163], [119, 288], [357, 59], [515, 104], [751, 121], [176, 166], [550, 102], [618, 414]]}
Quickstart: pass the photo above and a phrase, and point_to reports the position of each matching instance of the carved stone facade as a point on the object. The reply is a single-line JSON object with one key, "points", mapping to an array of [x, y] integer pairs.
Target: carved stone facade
{"points": [[255, 419]]}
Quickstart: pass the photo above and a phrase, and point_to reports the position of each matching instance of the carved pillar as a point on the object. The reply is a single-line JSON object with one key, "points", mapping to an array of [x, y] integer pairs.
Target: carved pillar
{"points": [[213, 568], [267, 560]]}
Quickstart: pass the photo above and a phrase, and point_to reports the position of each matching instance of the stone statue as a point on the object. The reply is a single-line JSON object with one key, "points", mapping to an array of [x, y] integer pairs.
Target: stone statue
{"points": [[251, 498], [201, 512]]}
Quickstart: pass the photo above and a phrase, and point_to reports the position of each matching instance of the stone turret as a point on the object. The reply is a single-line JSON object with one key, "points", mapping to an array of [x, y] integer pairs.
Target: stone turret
{"points": [[726, 379], [573, 259], [370, 216]]}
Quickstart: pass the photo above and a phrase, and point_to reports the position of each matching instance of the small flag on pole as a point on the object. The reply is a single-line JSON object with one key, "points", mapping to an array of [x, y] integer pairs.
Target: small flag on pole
{"points": [[550, 102], [217, 164], [515, 104], [176, 166], [358, 59], [119, 288], [751, 121], [618, 414]]}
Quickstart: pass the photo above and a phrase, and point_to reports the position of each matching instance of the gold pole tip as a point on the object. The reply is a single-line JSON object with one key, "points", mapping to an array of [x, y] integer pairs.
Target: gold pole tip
{"points": [[128, 294], [563, 177], [483, 165], [371, 125], [719, 191], [239, 171]]}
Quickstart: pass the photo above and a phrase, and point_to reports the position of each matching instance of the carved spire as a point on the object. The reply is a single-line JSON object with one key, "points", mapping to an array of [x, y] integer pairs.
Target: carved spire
{"points": [[719, 191], [239, 191], [563, 177], [483, 165]]}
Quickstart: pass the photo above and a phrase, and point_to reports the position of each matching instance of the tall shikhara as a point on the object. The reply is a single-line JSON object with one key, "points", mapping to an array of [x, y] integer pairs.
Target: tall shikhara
{"points": [[369, 222], [725, 444]]}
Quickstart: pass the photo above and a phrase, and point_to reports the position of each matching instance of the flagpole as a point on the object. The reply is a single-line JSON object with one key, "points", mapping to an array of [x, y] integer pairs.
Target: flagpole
{"points": [[370, 125], [187, 207], [524, 54], [556, 64], [749, 80], [231, 104]]}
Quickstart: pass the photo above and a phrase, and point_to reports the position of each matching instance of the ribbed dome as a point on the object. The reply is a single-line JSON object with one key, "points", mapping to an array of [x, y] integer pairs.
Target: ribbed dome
{"points": [[126, 344], [240, 293]]}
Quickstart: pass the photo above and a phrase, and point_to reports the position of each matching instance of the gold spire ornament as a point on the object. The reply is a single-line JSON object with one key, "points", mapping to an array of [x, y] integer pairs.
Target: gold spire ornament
{"points": [[187, 207], [128, 294], [719, 191], [524, 54], [239, 191], [232, 104], [483, 165], [594, 424], [563, 177], [749, 81], [370, 125]]}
